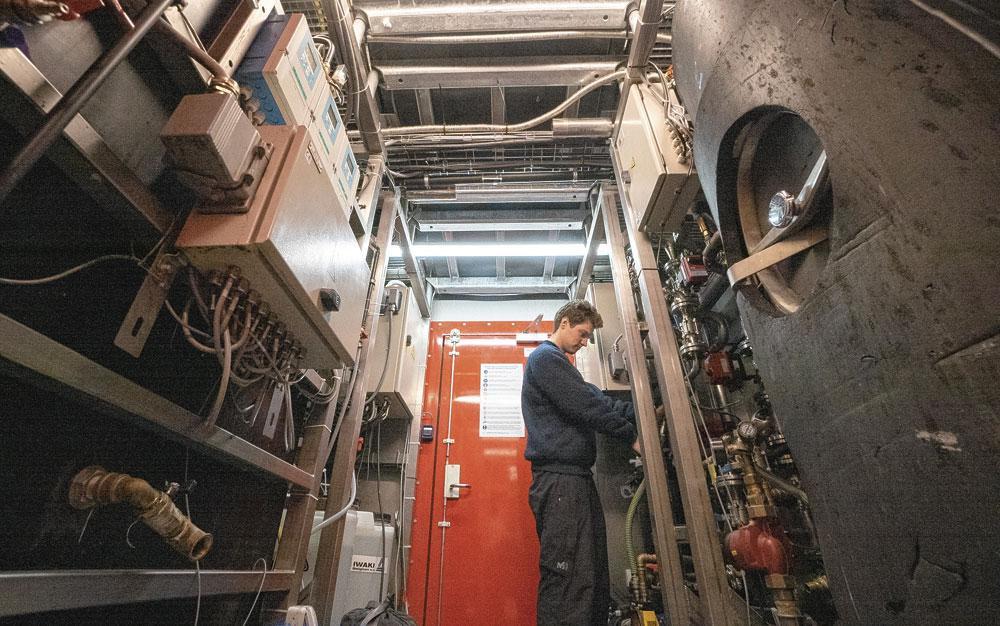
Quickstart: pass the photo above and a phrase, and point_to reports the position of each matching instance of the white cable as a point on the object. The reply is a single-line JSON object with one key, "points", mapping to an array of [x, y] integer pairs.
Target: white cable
{"points": [[69, 272], [342, 512], [259, 589], [197, 564]]}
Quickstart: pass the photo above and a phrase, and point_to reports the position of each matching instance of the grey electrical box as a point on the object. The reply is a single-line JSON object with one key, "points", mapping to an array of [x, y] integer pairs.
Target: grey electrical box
{"points": [[294, 246], [210, 135], [402, 351], [592, 361], [660, 188]]}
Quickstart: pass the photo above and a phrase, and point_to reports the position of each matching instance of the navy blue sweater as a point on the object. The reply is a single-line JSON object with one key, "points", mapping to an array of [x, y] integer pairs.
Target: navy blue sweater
{"points": [[562, 412]]}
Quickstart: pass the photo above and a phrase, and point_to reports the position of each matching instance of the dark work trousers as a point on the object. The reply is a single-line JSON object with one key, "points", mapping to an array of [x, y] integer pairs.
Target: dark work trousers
{"points": [[574, 589]]}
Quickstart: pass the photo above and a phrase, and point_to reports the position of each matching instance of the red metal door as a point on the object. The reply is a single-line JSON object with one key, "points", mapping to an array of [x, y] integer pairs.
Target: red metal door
{"points": [[489, 571]]}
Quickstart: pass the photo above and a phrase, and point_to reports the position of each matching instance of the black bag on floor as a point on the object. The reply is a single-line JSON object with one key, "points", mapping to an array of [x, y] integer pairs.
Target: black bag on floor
{"points": [[377, 615]]}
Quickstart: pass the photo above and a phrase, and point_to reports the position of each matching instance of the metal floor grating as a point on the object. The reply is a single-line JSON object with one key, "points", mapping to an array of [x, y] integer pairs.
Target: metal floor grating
{"points": [[313, 11]]}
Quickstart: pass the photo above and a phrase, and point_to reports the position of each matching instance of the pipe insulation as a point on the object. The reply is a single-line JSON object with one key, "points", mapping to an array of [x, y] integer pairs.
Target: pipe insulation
{"points": [[95, 486]]}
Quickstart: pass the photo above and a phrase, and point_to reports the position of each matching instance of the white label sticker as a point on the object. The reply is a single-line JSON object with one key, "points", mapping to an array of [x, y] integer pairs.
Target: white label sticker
{"points": [[362, 563], [500, 400], [274, 412]]}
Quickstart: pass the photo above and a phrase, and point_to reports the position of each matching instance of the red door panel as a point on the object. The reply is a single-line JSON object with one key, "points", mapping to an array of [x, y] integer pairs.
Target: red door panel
{"points": [[489, 574]]}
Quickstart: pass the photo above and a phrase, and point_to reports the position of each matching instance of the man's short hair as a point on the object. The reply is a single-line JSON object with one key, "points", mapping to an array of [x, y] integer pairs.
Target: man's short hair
{"points": [[578, 312]]}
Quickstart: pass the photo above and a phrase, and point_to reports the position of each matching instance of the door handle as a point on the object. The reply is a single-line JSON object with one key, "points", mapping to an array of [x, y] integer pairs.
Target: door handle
{"points": [[451, 482]]}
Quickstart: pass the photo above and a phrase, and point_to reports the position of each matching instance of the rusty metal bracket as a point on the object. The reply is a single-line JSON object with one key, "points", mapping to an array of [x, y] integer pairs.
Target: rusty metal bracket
{"points": [[141, 316], [774, 254]]}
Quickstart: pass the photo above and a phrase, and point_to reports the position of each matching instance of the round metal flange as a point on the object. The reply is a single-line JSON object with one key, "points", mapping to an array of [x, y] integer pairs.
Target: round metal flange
{"points": [[776, 153]]}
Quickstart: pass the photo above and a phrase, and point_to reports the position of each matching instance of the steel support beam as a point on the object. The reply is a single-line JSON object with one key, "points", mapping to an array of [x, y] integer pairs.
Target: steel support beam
{"points": [[552, 220], [368, 197], [498, 106], [421, 290], [550, 261], [664, 533], [501, 261], [300, 506], [324, 585], [514, 285], [594, 238], [37, 591], [493, 73], [390, 17], [425, 106], [703, 531], [31, 356], [452, 261], [85, 157]]}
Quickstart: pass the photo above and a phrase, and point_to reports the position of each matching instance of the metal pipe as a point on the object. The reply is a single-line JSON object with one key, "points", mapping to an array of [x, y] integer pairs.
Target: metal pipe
{"points": [[711, 291], [506, 129], [640, 566], [511, 37], [467, 167], [203, 58], [783, 485], [93, 486], [439, 181], [588, 128], [78, 95]]}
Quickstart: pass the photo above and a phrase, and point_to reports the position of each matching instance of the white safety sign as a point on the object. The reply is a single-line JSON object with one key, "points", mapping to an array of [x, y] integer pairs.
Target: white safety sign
{"points": [[500, 400]]}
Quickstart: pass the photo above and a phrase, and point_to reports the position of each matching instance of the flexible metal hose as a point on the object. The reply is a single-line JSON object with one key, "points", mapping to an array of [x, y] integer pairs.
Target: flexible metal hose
{"points": [[93, 486], [633, 506]]}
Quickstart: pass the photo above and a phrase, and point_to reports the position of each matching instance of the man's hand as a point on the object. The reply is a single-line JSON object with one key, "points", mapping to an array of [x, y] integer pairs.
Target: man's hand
{"points": [[661, 411], [636, 447]]}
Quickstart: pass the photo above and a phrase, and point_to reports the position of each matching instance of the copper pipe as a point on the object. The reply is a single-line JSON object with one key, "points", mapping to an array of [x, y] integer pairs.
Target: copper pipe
{"points": [[785, 602], [640, 573], [93, 486]]}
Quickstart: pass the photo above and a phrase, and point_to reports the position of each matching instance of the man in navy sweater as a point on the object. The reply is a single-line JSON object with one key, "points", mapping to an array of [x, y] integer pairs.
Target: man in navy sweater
{"points": [[562, 413]]}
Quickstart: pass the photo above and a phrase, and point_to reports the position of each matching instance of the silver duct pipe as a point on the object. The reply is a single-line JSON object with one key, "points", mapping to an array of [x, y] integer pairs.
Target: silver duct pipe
{"points": [[464, 167], [536, 193], [589, 128], [511, 37], [505, 129]]}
